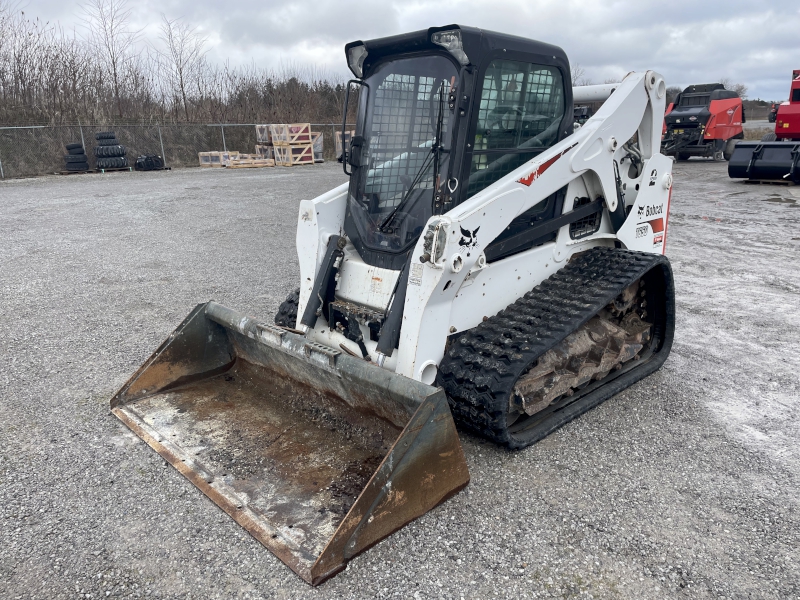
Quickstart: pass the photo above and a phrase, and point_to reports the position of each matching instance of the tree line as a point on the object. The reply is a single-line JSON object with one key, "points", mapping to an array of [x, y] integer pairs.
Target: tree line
{"points": [[104, 73]]}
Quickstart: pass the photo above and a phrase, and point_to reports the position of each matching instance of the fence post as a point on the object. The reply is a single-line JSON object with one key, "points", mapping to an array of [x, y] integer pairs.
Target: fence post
{"points": [[83, 142], [163, 156], [224, 147], [2, 175]]}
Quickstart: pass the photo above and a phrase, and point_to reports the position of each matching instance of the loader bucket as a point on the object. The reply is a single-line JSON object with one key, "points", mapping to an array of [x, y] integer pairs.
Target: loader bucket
{"points": [[777, 161], [318, 454]]}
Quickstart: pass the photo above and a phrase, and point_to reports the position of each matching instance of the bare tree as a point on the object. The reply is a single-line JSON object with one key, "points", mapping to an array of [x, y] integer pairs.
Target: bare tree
{"points": [[579, 75], [739, 88], [113, 40], [184, 56], [672, 93], [52, 76]]}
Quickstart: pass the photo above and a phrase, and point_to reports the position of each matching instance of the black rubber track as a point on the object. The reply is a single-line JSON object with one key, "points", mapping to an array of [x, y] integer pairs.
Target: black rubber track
{"points": [[74, 158], [287, 312], [72, 148], [104, 135], [482, 365]]}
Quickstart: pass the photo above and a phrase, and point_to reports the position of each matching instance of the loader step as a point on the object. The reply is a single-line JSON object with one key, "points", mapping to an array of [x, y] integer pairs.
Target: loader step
{"points": [[483, 366]]}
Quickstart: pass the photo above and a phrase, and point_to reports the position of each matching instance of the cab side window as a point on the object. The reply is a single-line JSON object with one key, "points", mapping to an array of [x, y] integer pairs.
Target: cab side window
{"points": [[520, 112]]}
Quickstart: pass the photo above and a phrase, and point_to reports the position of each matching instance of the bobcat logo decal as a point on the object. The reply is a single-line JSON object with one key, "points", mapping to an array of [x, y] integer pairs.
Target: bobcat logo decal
{"points": [[469, 239]]}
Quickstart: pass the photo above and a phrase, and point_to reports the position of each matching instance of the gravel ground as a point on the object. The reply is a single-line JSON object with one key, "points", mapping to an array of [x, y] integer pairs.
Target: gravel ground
{"points": [[685, 485]]}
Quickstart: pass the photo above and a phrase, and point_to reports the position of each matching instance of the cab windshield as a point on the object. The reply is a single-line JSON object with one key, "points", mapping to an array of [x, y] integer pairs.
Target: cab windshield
{"points": [[406, 105]]}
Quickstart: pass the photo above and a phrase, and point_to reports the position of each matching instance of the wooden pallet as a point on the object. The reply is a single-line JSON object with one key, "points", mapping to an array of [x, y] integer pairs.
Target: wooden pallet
{"points": [[75, 172], [98, 170], [251, 163], [784, 182]]}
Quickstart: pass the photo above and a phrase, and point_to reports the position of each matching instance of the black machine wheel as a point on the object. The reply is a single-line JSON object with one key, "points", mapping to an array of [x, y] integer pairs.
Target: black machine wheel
{"points": [[108, 142], [110, 151], [769, 137], [78, 150], [74, 158], [730, 146], [104, 135], [74, 146], [681, 156], [81, 166], [484, 368], [287, 312]]}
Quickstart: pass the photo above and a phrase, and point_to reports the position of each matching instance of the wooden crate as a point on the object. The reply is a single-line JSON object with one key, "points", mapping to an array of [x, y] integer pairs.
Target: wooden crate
{"points": [[302, 155], [227, 157], [265, 151], [204, 158], [279, 134], [215, 159], [283, 155], [316, 142], [337, 139], [263, 135], [291, 134]]}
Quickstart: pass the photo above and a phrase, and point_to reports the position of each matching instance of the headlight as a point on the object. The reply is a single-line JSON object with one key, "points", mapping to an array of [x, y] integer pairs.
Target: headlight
{"points": [[355, 60], [451, 41]]}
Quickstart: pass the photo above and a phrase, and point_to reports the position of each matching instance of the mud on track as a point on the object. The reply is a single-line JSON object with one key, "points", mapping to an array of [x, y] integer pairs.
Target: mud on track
{"points": [[685, 485]]}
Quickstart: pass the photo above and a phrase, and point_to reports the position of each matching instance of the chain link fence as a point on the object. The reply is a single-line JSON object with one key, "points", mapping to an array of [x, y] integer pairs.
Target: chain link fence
{"points": [[40, 150]]}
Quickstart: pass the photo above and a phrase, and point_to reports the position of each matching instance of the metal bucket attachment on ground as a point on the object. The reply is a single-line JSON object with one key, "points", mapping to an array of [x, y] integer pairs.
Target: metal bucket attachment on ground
{"points": [[777, 161], [316, 453]]}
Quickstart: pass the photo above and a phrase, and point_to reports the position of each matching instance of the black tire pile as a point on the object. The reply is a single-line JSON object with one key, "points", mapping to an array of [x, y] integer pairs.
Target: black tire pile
{"points": [[76, 159], [109, 152]]}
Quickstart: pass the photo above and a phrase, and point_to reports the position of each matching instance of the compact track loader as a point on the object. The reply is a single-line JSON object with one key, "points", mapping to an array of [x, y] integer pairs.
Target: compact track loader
{"points": [[483, 266]]}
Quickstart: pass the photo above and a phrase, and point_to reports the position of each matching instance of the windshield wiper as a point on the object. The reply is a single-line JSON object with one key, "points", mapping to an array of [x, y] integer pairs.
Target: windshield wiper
{"points": [[436, 150]]}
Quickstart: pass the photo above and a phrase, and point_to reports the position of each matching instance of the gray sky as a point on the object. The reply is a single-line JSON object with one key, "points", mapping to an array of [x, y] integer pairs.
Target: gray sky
{"points": [[688, 41]]}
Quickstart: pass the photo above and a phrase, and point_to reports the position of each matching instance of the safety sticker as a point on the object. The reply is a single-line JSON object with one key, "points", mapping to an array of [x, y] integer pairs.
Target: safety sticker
{"points": [[415, 277]]}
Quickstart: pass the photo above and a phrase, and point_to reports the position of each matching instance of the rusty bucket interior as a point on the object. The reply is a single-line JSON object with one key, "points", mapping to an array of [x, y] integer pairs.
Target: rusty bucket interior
{"points": [[318, 454]]}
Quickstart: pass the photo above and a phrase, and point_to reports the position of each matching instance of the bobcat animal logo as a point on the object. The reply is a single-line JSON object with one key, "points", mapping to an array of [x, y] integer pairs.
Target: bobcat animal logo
{"points": [[469, 239], [640, 211]]}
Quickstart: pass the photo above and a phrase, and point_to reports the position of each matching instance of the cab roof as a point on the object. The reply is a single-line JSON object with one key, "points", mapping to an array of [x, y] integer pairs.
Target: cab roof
{"points": [[477, 44]]}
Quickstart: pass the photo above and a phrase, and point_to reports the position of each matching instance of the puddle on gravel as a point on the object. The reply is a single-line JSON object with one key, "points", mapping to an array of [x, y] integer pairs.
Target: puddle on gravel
{"points": [[780, 200]]}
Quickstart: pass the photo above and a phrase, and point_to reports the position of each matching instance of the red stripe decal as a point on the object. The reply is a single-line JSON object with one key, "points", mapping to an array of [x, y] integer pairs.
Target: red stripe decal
{"points": [[657, 225], [538, 171]]}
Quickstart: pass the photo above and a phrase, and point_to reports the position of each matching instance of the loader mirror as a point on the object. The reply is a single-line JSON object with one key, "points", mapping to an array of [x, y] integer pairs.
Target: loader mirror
{"points": [[356, 151], [346, 151]]}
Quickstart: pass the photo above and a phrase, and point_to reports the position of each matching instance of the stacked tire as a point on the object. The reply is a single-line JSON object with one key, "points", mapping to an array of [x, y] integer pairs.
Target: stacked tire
{"points": [[76, 159], [109, 152]]}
